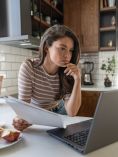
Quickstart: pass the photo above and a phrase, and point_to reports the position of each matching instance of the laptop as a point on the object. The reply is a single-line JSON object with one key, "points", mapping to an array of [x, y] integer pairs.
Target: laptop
{"points": [[95, 133]]}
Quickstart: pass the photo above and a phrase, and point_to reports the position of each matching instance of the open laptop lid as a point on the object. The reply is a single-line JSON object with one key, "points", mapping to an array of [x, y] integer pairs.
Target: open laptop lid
{"points": [[104, 128]]}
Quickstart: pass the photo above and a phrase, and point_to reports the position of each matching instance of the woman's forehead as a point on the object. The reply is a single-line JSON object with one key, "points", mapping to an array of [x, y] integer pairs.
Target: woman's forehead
{"points": [[65, 41]]}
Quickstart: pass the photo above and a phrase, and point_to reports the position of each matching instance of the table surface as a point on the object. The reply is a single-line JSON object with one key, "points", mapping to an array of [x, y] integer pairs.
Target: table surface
{"points": [[36, 141], [98, 88]]}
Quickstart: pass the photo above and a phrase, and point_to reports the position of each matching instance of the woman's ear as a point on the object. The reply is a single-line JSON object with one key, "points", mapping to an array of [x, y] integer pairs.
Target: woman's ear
{"points": [[46, 49]]}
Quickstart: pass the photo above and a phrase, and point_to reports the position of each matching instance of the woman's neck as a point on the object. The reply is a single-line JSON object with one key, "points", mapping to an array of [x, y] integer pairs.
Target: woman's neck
{"points": [[50, 68]]}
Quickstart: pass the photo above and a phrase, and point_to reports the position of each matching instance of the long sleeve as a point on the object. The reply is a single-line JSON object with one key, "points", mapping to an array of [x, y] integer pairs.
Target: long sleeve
{"points": [[25, 81]]}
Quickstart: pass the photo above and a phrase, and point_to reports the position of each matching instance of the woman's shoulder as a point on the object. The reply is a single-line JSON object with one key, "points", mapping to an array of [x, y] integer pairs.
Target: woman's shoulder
{"points": [[31, 65], [30, 62], [27, 64]]}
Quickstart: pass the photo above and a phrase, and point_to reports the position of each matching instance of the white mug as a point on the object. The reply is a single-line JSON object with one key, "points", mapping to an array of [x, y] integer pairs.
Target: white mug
{"points": [[111, 3]]}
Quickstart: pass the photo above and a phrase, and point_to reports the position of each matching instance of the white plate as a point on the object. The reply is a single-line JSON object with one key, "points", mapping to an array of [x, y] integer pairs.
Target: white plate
{"points": [[2, 124], [5, 144]]}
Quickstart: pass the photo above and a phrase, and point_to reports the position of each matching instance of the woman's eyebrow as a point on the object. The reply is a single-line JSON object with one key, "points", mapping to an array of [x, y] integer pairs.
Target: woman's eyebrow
{"points": [[65, 46]]}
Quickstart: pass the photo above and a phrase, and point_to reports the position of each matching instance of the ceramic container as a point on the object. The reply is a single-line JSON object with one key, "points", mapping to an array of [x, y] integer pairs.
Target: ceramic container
{"points": [[111, 3]]}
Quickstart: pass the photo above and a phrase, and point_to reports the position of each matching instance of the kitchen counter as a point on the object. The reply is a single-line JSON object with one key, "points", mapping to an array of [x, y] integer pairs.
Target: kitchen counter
{"points": [[98, 88], [37, 142]]}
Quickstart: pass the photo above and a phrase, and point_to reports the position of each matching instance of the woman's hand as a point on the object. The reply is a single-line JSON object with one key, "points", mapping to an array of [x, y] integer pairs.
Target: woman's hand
{"points": [[73, 104], [20, 124], [73, 71]]}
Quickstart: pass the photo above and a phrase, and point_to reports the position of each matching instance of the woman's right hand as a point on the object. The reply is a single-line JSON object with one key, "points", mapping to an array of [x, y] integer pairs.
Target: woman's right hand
{"points": [[20, 124]]}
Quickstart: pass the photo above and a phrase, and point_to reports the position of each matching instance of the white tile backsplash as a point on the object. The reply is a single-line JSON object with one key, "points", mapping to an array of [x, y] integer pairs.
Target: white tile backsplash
{"points": [[10, 58], [5, 66], [7, 83], [2, 57], [12, 90], [11, 74], [16, 66], [10, 61], [98, 75]]}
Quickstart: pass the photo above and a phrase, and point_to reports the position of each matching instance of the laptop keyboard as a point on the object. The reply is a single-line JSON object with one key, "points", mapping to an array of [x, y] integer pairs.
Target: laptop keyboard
{"points": [[79, 137]]}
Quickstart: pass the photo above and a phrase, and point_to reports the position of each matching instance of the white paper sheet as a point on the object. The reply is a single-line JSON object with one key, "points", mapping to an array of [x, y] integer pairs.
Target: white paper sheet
{"points": [[35, 115]]}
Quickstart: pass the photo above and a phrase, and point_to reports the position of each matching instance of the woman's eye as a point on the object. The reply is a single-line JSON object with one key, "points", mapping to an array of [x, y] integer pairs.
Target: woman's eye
{"points": [[63, 49]]}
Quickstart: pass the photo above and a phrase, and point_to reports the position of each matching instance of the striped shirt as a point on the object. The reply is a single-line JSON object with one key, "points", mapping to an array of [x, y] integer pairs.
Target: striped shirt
{"points": [[35, 85]]}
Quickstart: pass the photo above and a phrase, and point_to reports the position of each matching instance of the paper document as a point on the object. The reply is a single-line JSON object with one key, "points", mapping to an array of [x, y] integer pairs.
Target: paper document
{"points": [[34, 114]]}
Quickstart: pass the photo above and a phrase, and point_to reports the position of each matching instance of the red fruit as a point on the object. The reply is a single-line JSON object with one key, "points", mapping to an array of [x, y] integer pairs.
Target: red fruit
{"points": [[10, 135], [1, 131]]}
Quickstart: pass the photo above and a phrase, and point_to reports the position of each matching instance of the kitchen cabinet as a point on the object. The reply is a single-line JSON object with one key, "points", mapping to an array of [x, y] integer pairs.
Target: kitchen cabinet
{"points": [[89, 25], [45, 13], [72, 15], [82, 17], [89, 103], [108, 27]]}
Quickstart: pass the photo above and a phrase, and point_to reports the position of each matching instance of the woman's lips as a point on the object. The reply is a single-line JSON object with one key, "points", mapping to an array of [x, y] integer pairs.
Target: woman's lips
{"points": [[64, 64]]}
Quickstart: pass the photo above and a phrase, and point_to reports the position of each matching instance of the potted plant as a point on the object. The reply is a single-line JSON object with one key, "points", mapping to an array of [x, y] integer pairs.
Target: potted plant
{"points": [[109, 67]]}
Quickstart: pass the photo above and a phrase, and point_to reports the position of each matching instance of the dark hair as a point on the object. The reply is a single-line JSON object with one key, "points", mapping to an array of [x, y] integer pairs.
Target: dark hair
{"points": [[53, 34]]}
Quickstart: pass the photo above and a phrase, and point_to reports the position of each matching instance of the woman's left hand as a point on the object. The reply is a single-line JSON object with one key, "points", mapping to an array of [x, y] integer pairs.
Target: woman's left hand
{"points": [[73, 71]]}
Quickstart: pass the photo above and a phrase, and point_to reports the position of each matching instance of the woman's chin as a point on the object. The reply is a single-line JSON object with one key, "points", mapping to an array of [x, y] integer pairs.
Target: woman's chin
{"points": [[63, 65]]}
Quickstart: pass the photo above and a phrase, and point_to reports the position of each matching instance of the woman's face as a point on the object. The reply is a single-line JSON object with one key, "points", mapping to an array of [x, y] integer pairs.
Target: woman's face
{"points": [[60, 52]]}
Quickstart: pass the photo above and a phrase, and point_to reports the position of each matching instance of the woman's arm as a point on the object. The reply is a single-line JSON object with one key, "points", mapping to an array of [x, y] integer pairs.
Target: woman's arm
{"points": [[73, 104], [25, 82], [24, 91]]}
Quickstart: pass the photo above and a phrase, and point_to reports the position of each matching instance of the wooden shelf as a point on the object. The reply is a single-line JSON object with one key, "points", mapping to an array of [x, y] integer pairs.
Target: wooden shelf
{"points": [[107, 9], [107, 48], [110, 28], [59, 12], [45, 10], [42, 22], [53, 7]]}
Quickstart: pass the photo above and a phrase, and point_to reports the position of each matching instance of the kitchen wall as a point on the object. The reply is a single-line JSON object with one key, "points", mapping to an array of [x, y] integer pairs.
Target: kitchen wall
{"points": [[12, 57], [10, 61], [98, 75]]}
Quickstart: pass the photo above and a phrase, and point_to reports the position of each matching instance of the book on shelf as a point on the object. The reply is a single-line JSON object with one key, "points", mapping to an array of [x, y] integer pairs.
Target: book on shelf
{"points": [[101, 4], [105, 3]]}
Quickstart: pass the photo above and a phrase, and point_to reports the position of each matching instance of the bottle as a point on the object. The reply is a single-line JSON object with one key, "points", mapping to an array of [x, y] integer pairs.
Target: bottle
{"points": [[110, 43], [113, 21], [32, 12], [55, 2]]}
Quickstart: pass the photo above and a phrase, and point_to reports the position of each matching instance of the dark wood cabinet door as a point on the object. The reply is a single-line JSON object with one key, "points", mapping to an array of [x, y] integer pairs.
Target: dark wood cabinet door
{"points": [[82, 17], [72, 15], [89, 25], [89, 103]]}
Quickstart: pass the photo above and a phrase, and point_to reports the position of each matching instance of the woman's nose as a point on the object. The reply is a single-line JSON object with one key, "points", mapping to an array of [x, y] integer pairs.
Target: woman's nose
{"points": [[67, 55]]}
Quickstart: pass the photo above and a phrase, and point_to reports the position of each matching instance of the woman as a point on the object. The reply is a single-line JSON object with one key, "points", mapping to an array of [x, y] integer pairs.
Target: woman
{"points": [[54, 76]]}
